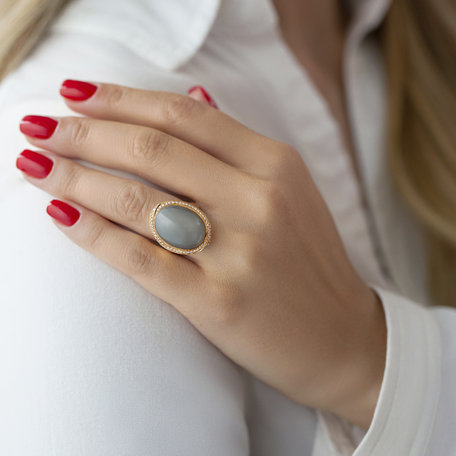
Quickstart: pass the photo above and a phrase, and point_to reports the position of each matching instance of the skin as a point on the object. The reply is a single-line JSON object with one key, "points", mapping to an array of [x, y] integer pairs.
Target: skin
{"points": [[316, 33], [282, 302]]}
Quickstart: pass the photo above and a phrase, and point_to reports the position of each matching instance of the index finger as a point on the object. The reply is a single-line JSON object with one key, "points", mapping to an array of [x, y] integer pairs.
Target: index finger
{"points": [[178, 115]]}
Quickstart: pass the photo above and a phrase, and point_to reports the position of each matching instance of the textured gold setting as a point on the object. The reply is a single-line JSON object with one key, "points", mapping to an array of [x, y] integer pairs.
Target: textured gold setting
{"points": [[170, 247]]}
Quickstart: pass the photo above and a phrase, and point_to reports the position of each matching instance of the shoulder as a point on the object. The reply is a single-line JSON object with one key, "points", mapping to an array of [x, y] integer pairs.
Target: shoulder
{"points": [[148, 44], [123, 38], [142, 44], [139, 43]]}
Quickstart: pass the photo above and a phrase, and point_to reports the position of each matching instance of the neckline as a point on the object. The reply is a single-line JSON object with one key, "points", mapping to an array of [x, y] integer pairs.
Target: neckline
{"points": [[337, 160]]}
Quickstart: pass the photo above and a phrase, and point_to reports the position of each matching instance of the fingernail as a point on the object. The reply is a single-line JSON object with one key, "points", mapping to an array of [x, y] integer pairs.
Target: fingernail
{"points": [[62, 212], [38, 126], [34, 164], [202, 95], [77, 90]]}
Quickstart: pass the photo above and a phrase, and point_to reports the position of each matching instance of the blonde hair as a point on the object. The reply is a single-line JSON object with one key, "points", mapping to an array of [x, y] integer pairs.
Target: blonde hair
{"points": [[420, 49], [22, 24]]}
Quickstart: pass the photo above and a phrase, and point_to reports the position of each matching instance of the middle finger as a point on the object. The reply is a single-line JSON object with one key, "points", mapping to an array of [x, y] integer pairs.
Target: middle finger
{"points": [[121, 200], [156, 156]]}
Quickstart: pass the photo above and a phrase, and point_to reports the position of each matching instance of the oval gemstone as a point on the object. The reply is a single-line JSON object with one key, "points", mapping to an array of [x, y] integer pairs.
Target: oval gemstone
{"points": [[180, 227]]}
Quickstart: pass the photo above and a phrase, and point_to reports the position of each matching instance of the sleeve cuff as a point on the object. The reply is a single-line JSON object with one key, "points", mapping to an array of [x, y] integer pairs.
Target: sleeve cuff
{"points": [[405, 412]]}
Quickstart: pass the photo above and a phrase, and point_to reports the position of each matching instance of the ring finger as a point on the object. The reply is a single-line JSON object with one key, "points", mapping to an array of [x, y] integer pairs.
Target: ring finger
{"points": [[121, 200]]}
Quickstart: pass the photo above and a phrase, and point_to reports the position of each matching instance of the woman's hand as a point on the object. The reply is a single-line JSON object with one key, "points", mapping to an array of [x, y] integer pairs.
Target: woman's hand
{"points": [[274, 289]]}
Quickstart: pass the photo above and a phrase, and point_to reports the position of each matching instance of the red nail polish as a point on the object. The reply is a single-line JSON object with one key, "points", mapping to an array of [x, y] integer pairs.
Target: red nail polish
{"points": [[38, 126], [77, 90], [206, 96], [34, 164], [64, 213]]}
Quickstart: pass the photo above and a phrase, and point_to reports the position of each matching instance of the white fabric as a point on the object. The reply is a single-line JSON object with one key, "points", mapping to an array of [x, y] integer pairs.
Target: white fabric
{"points": [[94, 365]]}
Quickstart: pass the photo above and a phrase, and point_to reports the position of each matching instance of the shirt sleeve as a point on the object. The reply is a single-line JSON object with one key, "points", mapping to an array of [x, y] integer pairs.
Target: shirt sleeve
{"points": [[416, 410]]}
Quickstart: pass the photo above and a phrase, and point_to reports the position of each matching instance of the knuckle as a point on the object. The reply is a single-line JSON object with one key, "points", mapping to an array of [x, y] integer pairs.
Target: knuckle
{"points": [[149, 146], [113, 95], [179, 108], [284, 159], [70, 182], [287, 152], [270, 201], [94, 237], [138, 258], [252, 257], [79, 132], [226, 309], [131, 202]]}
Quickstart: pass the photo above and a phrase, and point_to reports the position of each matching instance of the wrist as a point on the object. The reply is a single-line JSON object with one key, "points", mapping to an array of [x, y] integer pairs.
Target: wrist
{"points": [[358, 377]]}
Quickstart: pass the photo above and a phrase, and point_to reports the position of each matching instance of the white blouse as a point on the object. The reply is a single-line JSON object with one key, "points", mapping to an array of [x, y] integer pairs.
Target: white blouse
{"points": [[94, 365]]}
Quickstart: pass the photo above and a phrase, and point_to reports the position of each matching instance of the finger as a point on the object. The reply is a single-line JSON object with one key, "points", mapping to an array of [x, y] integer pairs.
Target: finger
{"points": [[198, 93], [167, 276], [124, 201], [197, 123], [167, 161]]}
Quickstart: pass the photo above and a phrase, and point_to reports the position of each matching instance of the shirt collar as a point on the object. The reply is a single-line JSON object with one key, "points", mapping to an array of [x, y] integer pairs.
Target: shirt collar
{"points": [[367, 15], [250, 16], [169, 36]]}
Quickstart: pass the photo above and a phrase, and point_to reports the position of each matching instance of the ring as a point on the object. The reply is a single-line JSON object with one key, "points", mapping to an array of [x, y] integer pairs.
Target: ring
{"points": [[180, 227]]}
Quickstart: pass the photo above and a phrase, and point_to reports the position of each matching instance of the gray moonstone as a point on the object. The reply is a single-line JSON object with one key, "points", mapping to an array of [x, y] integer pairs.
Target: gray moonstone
{"points": [[180, 227]]}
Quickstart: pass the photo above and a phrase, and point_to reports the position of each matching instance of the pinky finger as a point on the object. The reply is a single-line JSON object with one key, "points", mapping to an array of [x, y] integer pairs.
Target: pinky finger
{"points": [[168, 276]]}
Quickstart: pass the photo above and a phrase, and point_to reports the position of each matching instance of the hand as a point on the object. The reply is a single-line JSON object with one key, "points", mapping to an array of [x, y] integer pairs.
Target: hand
{"points": [[274, 290]]}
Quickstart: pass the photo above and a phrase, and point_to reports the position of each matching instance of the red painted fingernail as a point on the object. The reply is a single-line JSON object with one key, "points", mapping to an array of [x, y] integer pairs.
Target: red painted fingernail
{"points": [[64, 213], [204, 95], [34, 164], [38, 126], [77, 90]]}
